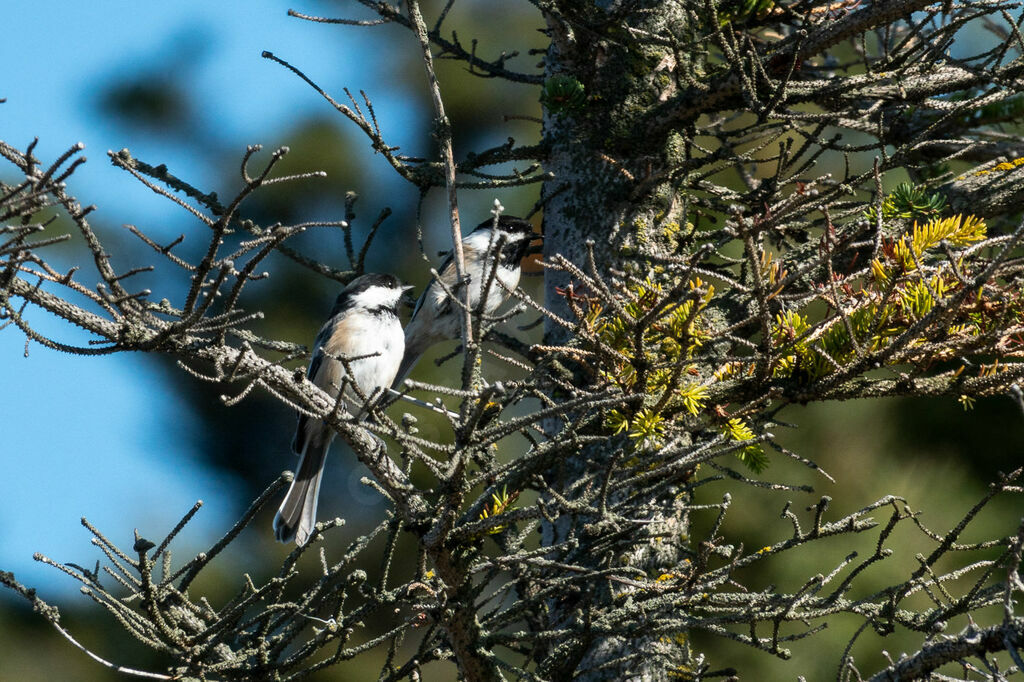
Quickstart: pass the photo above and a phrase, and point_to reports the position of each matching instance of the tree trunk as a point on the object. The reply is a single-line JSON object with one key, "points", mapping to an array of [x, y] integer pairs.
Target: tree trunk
{"points": [[607, 191]]}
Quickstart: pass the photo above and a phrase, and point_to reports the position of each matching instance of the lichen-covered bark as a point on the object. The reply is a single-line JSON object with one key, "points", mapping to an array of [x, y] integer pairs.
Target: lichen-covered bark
{"points": [[994, 189], [610, 193], [607, 169]]}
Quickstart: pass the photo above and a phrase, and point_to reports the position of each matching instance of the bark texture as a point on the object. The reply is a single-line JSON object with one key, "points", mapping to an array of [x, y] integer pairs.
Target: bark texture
{"points": [[610, 197]]}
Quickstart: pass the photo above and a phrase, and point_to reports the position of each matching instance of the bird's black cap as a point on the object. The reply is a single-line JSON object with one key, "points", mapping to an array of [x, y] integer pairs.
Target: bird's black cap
{"points": [[372, 279], [508, 223]]}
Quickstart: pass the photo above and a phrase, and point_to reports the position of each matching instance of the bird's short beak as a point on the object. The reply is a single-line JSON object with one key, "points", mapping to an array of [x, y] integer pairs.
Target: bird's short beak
{"points": [[536, 243], [407, 298]]}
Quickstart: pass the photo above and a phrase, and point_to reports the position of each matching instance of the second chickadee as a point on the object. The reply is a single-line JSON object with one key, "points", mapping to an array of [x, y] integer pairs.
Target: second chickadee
{"points": [[435, 317], [363, 326]]}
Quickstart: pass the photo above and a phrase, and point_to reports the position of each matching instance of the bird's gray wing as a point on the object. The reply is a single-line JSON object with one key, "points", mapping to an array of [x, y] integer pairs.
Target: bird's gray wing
{"points": [[448, 264], [299, 442]]}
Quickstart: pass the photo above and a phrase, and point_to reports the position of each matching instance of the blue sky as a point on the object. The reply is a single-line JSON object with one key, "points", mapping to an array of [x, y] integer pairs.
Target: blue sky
{"points": [[100, 437]]}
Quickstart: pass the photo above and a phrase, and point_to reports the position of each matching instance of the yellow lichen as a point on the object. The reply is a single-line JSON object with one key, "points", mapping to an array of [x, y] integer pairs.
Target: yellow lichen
{"points": [[1004, 166]]}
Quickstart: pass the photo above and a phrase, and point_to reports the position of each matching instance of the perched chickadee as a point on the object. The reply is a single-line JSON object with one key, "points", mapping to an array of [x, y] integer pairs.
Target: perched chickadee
{"points": [[435, 318], [364, 325]]}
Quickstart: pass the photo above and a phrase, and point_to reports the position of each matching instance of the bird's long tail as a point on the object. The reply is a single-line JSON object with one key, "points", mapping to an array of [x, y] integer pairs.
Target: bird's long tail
{"points": [[297, 514]]}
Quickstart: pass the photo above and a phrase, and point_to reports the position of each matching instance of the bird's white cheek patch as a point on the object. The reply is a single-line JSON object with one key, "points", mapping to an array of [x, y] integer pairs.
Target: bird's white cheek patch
{"points": [[376, 297]]}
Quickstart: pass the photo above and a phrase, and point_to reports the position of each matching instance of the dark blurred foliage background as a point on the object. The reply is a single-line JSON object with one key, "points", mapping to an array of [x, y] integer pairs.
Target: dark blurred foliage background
{"points": [[930, 452]]}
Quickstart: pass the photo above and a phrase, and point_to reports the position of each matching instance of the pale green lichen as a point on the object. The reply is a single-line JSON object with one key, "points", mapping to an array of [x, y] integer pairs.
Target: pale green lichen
{"points": [[640, 226]]}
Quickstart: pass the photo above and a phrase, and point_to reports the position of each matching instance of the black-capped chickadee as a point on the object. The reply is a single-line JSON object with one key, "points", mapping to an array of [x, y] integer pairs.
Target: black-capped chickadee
{"points": [[363, 329], [435, 318]]}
